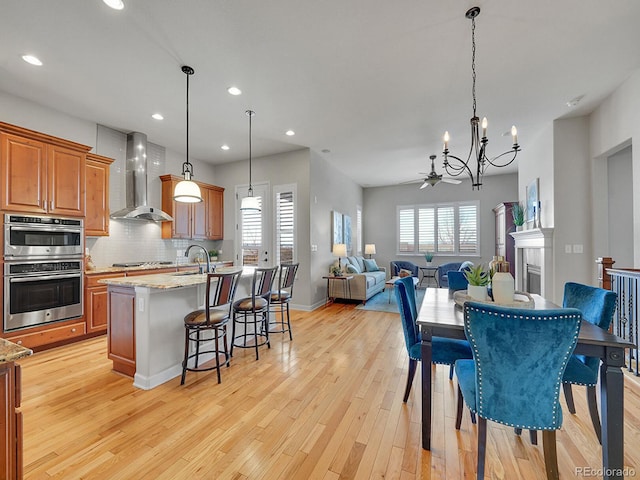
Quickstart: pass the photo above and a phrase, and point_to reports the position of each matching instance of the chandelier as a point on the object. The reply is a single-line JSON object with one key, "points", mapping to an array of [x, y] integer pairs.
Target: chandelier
{"points": [[478, 148]]}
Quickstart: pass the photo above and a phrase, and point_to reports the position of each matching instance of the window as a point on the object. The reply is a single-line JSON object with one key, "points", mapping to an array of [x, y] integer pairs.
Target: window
{"points": [[449, 229], [251, 235], [358, 230], [285, 215]]}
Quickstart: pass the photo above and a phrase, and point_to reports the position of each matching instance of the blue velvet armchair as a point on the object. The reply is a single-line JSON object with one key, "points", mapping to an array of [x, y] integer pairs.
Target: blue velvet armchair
{"points": [[519, 358], [597, 306], [398, 265], [445, 350], [445, 268]]}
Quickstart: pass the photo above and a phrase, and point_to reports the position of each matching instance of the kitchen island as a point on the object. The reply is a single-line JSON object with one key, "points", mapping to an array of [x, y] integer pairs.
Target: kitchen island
{"points": [[145, 322]]}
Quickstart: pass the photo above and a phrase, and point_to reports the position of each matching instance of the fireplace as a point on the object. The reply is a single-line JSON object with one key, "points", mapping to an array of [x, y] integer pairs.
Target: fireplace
{"points": [[534, 261], [532, 279]]}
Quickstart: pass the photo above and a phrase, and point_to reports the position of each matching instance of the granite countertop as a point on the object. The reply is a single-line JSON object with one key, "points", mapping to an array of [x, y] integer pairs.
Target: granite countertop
{"points": [[10, 351], [100, 270], [165, 280]]}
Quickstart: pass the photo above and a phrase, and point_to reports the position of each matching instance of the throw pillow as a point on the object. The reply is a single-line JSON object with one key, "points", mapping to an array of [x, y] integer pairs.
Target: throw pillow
{"points": [[404, 273], [352, 269], [370, 265]]}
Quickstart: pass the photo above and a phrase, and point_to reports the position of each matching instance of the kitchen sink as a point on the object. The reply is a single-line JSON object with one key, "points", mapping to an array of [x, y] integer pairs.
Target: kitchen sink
{"points": [[181, 274]]}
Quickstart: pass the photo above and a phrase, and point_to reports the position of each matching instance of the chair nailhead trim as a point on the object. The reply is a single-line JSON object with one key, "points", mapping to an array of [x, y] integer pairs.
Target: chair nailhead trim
{"points": [[479, 366]]}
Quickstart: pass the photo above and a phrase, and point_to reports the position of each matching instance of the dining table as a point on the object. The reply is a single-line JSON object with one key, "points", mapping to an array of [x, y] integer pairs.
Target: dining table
{"points": [[441, 316]]}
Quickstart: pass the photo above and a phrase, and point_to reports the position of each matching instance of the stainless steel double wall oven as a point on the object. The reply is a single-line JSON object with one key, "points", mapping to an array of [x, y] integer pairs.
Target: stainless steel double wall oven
{"points": [[43, 270]]}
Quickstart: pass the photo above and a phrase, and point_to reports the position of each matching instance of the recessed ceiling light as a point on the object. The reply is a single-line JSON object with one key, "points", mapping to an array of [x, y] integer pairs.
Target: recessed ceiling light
{"points": [[157, 116], [290, 133], [115, 4], [234, 90], [32, 60], [225, 147]]}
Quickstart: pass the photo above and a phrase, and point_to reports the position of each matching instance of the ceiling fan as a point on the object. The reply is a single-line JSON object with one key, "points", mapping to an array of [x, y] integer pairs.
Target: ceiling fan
{"points": [[432, 178]]}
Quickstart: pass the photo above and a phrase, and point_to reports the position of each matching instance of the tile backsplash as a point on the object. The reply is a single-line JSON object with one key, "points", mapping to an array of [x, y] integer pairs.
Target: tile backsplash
{"points": [[138, 241]]}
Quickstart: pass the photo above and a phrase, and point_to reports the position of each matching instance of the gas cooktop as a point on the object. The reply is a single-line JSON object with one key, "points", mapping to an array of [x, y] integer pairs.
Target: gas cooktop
{"points": [[140, 264]]}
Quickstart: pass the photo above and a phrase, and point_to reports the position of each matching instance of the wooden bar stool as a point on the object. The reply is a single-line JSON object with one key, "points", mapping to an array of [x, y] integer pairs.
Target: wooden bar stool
{"points": [[221, 289], [281, 298], [254, 311]]}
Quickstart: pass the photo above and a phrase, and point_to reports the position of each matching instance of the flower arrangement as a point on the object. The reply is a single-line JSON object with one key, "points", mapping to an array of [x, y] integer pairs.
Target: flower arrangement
{"points": [[336, 271]]}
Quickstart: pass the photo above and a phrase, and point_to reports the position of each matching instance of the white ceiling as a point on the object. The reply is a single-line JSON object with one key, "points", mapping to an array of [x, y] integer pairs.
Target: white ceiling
{"points": [[375, 82]]}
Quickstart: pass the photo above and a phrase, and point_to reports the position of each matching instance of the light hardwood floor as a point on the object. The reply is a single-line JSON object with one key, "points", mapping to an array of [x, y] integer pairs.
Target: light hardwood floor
{"points": [[327, 405]]}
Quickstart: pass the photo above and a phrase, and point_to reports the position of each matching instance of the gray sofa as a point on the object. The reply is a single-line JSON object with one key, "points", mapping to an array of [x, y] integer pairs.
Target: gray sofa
{"points": [[364, 284]]}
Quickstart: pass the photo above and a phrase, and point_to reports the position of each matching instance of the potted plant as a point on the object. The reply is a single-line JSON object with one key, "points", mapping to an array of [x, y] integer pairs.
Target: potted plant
{"points": [[335, 270], [478, 279], [213, 255], [517, 212], [428, 256]]}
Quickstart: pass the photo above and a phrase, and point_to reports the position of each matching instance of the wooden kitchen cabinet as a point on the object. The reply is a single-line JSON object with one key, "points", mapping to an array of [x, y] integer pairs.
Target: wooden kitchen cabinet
{"points": [[11, 421], [198, 221], [41, 173], [121, 339], [96, 221], [95, 302], [215, 213]]}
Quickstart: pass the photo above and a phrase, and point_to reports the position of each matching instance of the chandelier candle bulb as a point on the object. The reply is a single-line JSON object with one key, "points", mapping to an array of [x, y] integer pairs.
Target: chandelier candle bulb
{"points": [[514, 134], [484, 127], [446, 140]]}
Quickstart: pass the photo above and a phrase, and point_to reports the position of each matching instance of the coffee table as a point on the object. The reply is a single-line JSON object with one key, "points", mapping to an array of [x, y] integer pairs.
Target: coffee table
{"points": [[390, 284]]}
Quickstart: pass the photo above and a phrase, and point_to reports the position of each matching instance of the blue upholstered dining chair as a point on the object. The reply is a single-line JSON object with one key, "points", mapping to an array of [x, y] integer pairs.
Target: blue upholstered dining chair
{"points": [[457, 281], [597, 306], [444, 350], [519, 358]]}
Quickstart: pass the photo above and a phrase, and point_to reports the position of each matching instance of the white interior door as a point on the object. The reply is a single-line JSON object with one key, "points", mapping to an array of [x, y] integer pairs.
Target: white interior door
{"points": [[253, 247]]}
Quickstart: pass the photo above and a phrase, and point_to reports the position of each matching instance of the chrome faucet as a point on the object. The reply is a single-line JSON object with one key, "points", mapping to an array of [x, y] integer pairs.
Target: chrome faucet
{"points": [[206, 256]]}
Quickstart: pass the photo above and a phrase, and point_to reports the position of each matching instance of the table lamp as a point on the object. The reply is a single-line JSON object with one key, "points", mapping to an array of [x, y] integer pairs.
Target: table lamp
{"points": [[339, 250], [370, 249]]}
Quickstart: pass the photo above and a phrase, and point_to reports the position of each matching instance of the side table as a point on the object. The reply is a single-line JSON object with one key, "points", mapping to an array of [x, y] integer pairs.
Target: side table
{"points": [[428, 273], [346, 287]]}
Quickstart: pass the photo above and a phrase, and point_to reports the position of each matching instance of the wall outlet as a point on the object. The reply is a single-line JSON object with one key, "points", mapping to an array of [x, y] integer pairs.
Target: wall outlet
{"points": [[578, 248], [314, 248], [567, 248]]}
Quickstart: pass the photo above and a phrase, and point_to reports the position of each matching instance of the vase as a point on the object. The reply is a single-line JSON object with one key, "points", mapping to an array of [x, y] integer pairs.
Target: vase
{"points": [[477, 292], [503, 287]]}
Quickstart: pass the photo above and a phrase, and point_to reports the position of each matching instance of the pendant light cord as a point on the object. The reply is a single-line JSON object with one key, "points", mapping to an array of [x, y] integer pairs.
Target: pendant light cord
{"points": [[473, 62], [250, 113]]}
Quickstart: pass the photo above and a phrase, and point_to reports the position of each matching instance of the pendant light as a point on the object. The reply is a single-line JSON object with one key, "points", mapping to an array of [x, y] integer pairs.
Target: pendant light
{"points": [[187, 191], [250, 203]]}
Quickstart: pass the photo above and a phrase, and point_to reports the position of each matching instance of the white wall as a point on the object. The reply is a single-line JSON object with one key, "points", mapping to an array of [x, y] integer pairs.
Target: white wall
{"points": [[329, 190], [572, 199], [614, 125], [379, 211], [620, 211]]}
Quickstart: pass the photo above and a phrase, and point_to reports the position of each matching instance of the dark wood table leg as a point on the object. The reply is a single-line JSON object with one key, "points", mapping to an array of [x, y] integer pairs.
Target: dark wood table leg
{"points": [[426, 387], [612, 413]]}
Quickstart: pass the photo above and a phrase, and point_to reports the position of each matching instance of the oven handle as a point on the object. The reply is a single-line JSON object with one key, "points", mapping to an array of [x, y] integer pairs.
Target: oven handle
{"points": [[44, 227], [22, 279]]}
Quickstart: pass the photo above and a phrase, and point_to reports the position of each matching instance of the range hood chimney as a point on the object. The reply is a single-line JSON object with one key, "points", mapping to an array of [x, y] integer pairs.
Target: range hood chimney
{"points": [[136, 184]]}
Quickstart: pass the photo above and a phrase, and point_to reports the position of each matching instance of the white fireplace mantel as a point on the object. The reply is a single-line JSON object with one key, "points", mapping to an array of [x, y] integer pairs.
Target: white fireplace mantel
{"points": [[536, 238]]}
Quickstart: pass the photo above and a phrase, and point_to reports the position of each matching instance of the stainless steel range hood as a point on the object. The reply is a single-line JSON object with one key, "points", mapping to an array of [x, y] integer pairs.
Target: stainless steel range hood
{"points": [[136, 184]]}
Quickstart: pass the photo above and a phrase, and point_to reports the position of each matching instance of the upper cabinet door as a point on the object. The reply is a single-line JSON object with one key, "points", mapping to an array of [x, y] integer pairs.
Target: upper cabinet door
{"points": [[199, 217], [215, 214], [66, 172], [96, 222], [41, 173], [24, 187]]}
